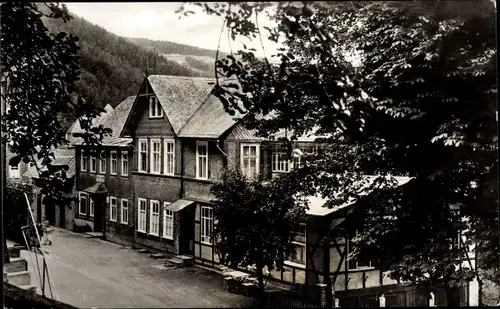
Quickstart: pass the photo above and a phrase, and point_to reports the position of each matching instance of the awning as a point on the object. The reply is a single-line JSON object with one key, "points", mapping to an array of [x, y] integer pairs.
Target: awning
{"points": [[179, 205], [97, 188]]}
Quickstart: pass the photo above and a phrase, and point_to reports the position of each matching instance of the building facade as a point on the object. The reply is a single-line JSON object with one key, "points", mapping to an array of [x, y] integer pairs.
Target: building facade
{"points": [[176, 140]]}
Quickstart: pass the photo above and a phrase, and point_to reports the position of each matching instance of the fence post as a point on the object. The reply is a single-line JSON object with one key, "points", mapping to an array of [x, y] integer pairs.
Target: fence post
{"points": [[322, 291], [431, 300], [381, 300], [337, 303]]}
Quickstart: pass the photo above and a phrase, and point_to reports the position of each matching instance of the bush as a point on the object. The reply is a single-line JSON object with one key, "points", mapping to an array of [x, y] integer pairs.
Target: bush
{"points": [[15, 214]]}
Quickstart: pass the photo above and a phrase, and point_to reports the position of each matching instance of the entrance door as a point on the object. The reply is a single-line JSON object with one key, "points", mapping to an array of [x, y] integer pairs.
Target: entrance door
{"points": [[186, 237], [99, 212], [50, 213]]}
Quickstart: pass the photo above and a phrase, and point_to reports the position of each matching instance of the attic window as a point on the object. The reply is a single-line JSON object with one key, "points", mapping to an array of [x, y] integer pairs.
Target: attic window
{"points": [[155, 110]]}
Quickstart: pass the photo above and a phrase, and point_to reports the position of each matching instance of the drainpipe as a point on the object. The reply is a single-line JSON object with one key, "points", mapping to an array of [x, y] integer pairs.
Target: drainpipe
{"points": [[134, 202], [181, 193], [222, 151]]}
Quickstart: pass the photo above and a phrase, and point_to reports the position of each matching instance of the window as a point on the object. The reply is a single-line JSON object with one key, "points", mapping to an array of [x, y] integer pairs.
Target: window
{"points": [[14, 171], [169, 157], [280, 160], [154, 219], [124, 164], [91, 206], [455, 241], [299, 244], [250, 160], [202, 160], [168, 222], [93, 164], [141, 218], [114, 163], [102, 166], [143, 155], [362, 260], [113, 201], [84, 162], [155, 156], [82, 207], [124, 210], [207, 224], [155, 110]]}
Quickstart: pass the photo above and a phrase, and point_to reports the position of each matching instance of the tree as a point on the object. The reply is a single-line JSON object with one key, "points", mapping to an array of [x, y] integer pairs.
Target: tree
{"points": [[420, 103], [254, 222], [41, 69]]}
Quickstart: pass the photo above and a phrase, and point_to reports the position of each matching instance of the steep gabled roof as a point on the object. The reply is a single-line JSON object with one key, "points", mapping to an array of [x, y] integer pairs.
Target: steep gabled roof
{"points": [[209, 121], [180, 96], [76, 128], [115, 121]]}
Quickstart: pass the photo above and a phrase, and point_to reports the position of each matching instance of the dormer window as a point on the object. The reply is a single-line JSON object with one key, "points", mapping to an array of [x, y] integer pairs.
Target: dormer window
{"points": [[155, 110]]}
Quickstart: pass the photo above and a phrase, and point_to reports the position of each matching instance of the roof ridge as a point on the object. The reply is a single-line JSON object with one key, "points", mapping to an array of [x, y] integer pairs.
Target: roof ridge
{"points": [[183, 77]]}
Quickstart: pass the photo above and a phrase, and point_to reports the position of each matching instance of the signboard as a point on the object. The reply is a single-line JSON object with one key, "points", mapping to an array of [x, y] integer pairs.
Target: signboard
{"points": [[100, 178]]}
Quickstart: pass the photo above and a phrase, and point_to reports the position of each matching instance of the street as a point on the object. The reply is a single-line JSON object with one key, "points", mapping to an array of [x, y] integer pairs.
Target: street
{"points": [[89, 272]]}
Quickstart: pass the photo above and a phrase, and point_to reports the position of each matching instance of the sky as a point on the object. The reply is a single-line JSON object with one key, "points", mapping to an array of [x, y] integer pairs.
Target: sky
{"points": [[158, 21]]}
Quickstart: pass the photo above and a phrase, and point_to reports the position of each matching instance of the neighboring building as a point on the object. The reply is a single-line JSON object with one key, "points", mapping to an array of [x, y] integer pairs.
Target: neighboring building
{"points": [[15, 173], [177, 140], [112, 170], [57, 215]]}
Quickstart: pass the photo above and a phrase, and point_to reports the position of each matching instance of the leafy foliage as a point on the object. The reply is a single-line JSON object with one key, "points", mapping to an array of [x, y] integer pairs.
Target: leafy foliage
{"points": [[254, 222], [41, 70], [420, 102]]}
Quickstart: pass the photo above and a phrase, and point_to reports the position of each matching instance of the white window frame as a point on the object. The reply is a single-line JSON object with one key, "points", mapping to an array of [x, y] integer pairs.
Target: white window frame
{"points": [[198, 156], [169, 157], [207, 220], [155, 109], [111, 199], [124, 171], [93, 164], [111, 161], [91, 206], [257, 158], [300, 243], [168, 222], [123, 209], [152, 152], [15, 171], [154, 215], [141, 152], [80, 196], [84, 161], [102, 165], [279, 165], [142, 213], [356, 260]]}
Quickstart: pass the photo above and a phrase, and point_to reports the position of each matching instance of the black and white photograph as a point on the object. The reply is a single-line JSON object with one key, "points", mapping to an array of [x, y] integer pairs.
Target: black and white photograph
{"points": [[279, 154]]}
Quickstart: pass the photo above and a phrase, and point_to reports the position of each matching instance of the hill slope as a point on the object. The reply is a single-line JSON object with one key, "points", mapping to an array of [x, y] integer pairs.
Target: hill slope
{"points": [[112, 68], [167, 47], [198, 59]]}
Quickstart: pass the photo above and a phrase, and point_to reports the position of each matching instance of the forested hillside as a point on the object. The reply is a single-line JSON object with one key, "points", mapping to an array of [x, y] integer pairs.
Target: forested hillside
{"points": [[112, 67], [166, 47]]}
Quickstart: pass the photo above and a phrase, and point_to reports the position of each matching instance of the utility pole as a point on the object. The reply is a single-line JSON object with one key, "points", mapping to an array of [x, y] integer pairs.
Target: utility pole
{"points": [[154, 61]]}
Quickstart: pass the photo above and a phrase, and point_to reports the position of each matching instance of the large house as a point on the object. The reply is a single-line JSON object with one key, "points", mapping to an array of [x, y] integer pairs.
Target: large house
{"points": [[151, 189]]}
